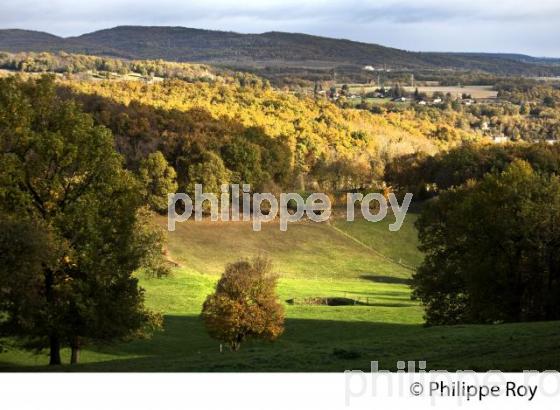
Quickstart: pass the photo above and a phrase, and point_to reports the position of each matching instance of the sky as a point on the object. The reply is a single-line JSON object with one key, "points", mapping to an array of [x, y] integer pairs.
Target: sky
{"points": [[529, 27]]}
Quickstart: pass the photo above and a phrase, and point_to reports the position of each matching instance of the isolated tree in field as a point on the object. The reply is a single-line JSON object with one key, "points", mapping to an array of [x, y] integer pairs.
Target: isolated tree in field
{"points": [[245, 304], [61, 177], [158, 179], [492, 250]]}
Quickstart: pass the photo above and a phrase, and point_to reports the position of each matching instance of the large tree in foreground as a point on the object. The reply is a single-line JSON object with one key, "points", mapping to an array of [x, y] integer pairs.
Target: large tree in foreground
{"points": [[72, 210], [245, 304], [492, 250]]}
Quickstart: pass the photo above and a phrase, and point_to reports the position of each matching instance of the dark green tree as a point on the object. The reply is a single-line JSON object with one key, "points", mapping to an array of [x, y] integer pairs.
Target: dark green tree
{"points": [[61, 174], [26, 251], [158, 179], [244, 159], [492, 250], [210, 172], [549, 101]]}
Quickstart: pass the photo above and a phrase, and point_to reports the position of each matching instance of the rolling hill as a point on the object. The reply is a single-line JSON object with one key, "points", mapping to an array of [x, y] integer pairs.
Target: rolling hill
{"points": [[266, 49]]}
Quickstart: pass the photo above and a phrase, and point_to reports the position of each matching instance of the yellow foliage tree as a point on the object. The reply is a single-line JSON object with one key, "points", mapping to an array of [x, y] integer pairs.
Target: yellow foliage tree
{"points": [[245, 304]]}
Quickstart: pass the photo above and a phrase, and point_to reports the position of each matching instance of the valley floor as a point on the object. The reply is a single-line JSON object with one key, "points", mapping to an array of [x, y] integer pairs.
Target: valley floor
{"points": [[363, 263]]}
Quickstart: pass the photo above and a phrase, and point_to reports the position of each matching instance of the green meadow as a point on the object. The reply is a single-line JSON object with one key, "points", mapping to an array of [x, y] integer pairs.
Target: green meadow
{"points": [[361, 263]]}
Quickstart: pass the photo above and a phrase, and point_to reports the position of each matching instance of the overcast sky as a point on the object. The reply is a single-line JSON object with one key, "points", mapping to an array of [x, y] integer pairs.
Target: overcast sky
{"points": [[531, 27]]}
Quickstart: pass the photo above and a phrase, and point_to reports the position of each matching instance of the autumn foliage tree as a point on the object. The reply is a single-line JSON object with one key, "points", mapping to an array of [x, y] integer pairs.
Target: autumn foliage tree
{"points": [[245, 304]]}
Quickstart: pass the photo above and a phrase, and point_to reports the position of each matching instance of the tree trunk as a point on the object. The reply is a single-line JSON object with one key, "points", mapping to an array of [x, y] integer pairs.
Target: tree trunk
{"points": [[234, 345], [54, 340], [75, 356], [54, 354]]}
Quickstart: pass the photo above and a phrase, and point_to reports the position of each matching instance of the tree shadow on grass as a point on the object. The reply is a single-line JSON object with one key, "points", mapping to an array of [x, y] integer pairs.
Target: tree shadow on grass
{"points": [[345, 301], [307, 345], [387, 279], [312, 345], [383, 295]]}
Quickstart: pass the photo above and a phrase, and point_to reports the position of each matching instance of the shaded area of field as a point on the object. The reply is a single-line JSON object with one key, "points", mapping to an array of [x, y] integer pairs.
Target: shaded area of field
{"points": [[311, 344]]}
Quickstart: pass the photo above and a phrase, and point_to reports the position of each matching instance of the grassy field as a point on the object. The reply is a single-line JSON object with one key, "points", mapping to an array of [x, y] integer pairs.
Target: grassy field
{"points": [[476, 91], [356, 261], [401, 246], [373, 101]]}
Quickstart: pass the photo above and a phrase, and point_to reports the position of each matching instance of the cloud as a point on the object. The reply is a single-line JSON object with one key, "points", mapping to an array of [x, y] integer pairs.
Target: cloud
{"points": [[499, 25]]}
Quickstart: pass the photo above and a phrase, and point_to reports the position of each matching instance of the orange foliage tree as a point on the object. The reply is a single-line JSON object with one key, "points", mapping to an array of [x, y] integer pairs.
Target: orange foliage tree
{"points": [[245, 304]]}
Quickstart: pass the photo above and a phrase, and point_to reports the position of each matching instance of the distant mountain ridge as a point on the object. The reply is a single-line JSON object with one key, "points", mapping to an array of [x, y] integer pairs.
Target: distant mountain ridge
{"points": [[271, 48]]}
